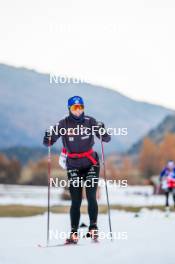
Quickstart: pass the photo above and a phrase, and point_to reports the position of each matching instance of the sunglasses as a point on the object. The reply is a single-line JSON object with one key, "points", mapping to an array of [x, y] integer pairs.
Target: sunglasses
{"points": [[77, 107]]}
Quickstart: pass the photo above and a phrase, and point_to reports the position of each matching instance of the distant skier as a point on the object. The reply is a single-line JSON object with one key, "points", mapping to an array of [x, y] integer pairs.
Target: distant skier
{"points": [[82, 162], [167, 179]]}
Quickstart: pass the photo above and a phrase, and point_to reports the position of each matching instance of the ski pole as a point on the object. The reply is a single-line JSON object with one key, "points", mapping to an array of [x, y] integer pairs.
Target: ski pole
{"points": [[106, 188], [48, 198]]}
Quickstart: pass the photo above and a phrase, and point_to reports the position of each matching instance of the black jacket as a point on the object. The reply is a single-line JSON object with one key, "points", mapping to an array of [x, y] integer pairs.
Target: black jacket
{"points": [[76, 143]]}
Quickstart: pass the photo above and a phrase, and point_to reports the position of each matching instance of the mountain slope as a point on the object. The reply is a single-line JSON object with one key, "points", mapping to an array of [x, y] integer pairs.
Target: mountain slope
{"points": [[157, 134], [29, 104]]}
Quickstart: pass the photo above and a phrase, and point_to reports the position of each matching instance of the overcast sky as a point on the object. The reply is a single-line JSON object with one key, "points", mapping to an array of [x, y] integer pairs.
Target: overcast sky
{"points": [[127, 45]]}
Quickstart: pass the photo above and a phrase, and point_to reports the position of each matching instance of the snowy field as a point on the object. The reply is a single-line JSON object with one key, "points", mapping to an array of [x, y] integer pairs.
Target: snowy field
{"points": [[32, 195], [148, 239]]}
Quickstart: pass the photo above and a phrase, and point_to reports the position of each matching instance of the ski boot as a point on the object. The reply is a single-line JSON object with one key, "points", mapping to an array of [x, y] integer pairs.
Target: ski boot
{"points": [[73, 239], [93, 232]]}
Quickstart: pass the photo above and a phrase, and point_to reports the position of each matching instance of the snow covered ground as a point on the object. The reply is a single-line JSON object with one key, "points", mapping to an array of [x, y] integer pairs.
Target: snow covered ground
{"points": [[37, 195], [146, 239]]}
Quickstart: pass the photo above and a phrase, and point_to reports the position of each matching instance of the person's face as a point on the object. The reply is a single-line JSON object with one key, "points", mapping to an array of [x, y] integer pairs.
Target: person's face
{"points": [[77, 110]]}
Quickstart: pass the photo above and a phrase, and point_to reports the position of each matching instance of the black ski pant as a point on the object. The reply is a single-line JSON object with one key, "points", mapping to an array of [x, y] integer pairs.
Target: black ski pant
{"points": [[167, 192], [89, 179]]}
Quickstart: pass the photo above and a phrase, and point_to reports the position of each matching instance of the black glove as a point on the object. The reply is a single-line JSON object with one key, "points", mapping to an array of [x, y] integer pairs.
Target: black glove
{"points": [[100, 125], [47, 138], [47, 134]]}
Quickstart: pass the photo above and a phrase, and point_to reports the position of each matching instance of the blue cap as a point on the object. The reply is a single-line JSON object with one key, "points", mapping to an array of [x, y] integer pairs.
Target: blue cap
{"points": [[75, 100]]}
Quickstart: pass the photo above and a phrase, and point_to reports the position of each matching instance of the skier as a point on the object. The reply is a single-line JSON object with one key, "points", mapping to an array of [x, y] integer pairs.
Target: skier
{"points": [[82, 162], [167, 179]]}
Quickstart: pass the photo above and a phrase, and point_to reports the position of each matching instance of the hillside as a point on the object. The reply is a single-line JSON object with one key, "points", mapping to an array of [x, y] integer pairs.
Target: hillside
{"points": [[29, 104]]}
